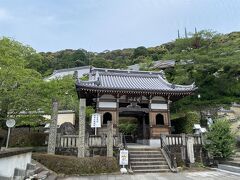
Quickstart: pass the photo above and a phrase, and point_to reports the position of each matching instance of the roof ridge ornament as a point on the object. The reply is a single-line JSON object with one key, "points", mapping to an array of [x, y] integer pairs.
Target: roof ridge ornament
{"points": [[193, 85], [163, 74], [173, 86]]}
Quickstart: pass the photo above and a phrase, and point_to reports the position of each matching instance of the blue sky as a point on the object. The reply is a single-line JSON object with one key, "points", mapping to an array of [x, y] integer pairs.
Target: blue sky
{"points": [[97, 25]]}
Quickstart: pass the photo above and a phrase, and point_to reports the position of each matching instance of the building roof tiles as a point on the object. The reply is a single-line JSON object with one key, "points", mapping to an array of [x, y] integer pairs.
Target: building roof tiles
{"points": [[111, 79]]}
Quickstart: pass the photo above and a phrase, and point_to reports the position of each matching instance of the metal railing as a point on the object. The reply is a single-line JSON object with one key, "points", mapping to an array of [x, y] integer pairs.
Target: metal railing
{"points": [[124, 141]]}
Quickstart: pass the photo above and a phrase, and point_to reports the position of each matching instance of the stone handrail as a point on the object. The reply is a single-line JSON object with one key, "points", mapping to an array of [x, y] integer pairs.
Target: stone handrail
{"points": [[178, 139], [70, 141]]}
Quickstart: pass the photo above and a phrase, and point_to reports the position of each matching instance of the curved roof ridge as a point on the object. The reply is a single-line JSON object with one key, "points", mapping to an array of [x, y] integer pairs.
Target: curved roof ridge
{"points": [[127, 74], [126, 71], [69, 69], [172, 85]]}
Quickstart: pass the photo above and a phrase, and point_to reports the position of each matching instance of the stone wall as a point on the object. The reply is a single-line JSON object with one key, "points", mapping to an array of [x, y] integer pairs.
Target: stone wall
{"points": [[12, 159], [200, 155]]}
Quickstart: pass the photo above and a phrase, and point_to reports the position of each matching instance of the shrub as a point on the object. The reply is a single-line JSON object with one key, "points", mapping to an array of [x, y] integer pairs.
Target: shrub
{"points": [[220, 141], [185, 124], [128, 128], [191, 119], [3, 134], [70, 165], [23, 139]]}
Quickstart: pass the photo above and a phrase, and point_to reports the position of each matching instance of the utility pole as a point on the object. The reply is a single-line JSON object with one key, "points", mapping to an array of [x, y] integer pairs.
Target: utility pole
{"points": [[195, 30], [186, 33], [178, 34]]}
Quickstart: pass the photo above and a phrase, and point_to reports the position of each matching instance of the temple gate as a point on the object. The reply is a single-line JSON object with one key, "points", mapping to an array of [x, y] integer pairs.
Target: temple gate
{"points": [[144, 95]]}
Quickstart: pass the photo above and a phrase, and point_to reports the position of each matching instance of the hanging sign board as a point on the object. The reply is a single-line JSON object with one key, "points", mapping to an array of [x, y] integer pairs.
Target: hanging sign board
{"points": [[96, 120], [123, 160]]}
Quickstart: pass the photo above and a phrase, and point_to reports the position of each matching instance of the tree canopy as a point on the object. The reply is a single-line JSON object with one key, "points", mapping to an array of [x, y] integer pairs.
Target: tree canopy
{"points": [[22, 89]]}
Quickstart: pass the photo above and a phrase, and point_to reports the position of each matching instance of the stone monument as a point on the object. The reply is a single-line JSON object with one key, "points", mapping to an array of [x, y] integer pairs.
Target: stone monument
{"points": [[53, 129]]}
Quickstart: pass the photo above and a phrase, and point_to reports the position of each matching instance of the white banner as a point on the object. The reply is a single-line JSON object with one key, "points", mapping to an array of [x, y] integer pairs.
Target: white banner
{"points": [[96, 120]]}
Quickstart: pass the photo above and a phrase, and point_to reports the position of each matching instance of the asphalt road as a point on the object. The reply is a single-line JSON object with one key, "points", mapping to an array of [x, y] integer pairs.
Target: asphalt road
{"points": [[203, 175]]}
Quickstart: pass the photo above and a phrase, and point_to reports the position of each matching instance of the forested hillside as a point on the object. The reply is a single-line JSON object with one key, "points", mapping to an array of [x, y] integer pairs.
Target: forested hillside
{"points": [[209, 59]]}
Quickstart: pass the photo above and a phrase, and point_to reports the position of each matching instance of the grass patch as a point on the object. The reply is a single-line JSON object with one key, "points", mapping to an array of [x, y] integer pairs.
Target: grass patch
{"points": [[70, 165]]}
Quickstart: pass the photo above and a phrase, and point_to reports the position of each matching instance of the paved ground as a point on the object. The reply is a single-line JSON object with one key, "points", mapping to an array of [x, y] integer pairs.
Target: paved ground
{"points": [[203, 175]]}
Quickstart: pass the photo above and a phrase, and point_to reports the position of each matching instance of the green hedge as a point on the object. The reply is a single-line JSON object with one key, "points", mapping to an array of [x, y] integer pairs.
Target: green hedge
{"points": [[70, 165], [185, 124], [3, 135], [19, 139]]}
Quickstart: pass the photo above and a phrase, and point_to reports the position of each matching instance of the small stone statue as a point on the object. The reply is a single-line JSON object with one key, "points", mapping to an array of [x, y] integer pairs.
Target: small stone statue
{"points": [[67, 128]]}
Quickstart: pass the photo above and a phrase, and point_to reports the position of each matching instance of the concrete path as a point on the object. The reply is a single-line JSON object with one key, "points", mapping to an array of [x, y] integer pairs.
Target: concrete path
{"points": [[203, 175]]}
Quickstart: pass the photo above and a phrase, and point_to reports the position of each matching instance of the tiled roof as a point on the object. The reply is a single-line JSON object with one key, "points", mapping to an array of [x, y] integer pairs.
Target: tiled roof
{"points": [[69, 71], [111, 79], [162, 64]]}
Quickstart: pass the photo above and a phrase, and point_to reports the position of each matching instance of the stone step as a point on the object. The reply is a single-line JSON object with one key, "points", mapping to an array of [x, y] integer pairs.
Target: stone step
{"points": [[30, 172], [18, 177], [5, 178], [138, 167], [151, 170], [145, 152], [51, 177], [143, 149], [31, 166], [237, 155], [233, 163], [236, 159], [146, 155], [19, 172], [146, 159], [38, 170], [43, 175], [230, 168], [148, 163]]}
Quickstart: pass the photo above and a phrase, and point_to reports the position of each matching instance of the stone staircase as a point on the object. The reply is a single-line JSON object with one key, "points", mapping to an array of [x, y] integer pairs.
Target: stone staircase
{"points": [[32, 172], [232, 165], [147, 160]]}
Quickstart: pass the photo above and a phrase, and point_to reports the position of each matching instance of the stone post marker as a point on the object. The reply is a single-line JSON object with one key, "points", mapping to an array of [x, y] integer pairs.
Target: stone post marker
{"points": [[110, 139], [190, 150], [53, 129], [183, 147], [81, 134]]}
